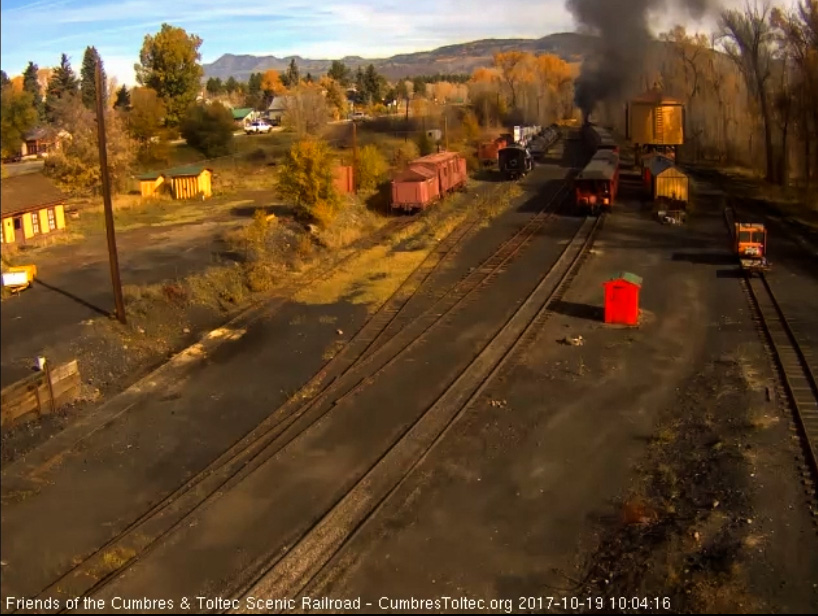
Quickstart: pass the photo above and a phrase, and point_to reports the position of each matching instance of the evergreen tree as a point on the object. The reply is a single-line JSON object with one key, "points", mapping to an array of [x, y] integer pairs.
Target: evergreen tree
{"points": [[254, 84], [308, 78], [214, 86], [292, 74], [231, 85], [4, 79], [63, 83], [123, 98], [88, 79], [340, 73], [32, 85]]}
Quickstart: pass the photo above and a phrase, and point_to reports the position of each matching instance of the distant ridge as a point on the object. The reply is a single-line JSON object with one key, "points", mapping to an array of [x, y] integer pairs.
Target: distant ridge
{"points": [[459, 58]]}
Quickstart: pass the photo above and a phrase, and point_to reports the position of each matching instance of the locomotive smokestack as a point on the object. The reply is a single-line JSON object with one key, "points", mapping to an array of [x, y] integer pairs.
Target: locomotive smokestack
{"points": [[623, 40]]}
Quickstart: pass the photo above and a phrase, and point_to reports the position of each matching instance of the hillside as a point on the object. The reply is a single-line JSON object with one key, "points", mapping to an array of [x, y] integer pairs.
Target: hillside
{"points": [[460, 58]]}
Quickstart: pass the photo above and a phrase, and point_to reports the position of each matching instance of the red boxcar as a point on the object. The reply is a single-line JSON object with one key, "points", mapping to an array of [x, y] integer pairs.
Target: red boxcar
{"points": [[450, 168], [487, 152], [415, 189]]}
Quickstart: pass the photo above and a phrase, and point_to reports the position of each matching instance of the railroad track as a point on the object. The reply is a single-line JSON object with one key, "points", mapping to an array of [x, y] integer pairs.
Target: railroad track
{"points": [[290, 575], [794, 371], [795, 375], [389, 331]]}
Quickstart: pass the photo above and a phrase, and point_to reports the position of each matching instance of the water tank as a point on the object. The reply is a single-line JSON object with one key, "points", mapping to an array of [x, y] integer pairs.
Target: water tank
{"points": [[655, 119]]}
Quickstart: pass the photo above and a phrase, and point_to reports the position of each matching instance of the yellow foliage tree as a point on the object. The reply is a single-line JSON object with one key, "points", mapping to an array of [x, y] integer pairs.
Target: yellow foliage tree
{"points": [[512, 70], [306, 179], [372, 167], [271, 83]]}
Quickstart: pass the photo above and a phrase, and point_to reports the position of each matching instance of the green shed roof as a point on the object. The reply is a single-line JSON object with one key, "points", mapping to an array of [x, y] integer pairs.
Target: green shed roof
{"points": [[175, 172], [242, 112], [632, 278]]}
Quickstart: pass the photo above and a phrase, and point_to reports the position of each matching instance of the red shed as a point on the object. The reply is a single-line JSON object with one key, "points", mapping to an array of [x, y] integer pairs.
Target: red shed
{"points": [[622, 299]]}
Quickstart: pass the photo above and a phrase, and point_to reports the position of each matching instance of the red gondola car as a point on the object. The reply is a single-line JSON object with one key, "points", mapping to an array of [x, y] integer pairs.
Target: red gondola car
{"points": [[428, 179]]}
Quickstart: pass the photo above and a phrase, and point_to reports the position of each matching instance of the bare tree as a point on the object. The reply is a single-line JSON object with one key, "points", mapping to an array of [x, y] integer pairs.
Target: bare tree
{"points": [[748, 37], [306, 110]]}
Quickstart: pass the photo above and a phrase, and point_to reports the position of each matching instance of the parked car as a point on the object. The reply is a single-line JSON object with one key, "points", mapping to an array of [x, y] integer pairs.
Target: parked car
{"points": [[257, 127], [358, 116]]}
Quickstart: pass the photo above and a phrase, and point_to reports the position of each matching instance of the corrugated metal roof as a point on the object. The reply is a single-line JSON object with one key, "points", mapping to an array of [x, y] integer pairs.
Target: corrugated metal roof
{"points": [[29, 191], [629, 277], [659, 163], [241, 113]]}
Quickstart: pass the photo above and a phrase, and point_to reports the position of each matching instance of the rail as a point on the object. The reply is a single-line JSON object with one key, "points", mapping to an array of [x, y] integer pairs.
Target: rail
{"points": [[344, 376], [292, 573]]}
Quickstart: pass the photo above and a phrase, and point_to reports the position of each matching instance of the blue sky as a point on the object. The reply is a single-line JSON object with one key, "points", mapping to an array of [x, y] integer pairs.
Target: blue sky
{"points": [[330, 29]]}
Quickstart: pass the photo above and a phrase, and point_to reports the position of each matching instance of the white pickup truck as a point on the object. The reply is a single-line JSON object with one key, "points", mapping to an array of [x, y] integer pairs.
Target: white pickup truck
{"points": [[257, 127]]}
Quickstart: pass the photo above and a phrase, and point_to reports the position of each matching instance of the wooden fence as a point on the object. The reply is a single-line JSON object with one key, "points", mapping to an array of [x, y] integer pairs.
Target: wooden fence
{"points": [[39, 394]]}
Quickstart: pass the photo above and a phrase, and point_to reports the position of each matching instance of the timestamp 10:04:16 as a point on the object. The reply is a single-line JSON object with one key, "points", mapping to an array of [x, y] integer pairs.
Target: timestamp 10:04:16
{"points": [[595, 603]]}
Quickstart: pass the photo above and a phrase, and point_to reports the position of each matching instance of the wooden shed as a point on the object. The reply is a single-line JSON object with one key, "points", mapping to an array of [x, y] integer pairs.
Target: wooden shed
{"points": [[189, 182], [667, 181], [151, 184]]}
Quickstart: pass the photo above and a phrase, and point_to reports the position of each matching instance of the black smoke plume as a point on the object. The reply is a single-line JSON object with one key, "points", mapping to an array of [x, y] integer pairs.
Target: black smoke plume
{"points": [[624, 39]]}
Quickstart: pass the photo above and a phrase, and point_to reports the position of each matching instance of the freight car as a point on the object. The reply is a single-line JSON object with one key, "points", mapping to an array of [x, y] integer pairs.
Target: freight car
{"points": [[428, 179], [542, 143], [515, 162], [596, 186], [487, 151], [597, 138]]}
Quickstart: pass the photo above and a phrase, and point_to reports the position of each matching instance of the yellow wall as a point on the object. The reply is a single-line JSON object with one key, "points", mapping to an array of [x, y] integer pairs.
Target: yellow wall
{"points": [[43, 214], [149, 188], [59, 214], [28, 231], [671, 184], [8, 230]]}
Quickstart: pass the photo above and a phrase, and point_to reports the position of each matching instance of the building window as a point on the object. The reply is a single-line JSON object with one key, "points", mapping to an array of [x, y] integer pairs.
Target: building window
{"points": [[52, 219], [35, 223]]}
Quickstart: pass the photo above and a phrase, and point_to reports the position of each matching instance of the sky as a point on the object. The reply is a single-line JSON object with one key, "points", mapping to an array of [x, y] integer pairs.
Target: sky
{"points": [[41, 30]]}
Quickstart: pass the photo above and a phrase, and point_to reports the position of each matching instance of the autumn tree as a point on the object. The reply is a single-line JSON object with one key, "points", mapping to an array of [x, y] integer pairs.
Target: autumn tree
{"points": [[17, 116], [123, 98], [511, 65], [306, 111], [371, 167], [335, 97], [341, 73], [88, 84], [144, 122], [306, 179], [208, 128], [169, 64], [271, 84], [31, 84], [63, 83], [75, 166]]}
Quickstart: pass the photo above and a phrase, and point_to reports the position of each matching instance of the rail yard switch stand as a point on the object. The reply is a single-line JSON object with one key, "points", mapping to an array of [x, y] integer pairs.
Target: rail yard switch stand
{"points": [[622, 299]]}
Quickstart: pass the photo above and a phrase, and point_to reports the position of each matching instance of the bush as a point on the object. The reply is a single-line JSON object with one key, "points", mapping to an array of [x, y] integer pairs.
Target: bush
{"points": [[425, 145], [404, 154], [372, 167], [306, 178], [209, 129]]}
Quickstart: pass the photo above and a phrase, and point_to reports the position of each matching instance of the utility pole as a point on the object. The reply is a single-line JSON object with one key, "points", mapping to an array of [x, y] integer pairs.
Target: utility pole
{"points": [[106, 198], [355, 156], [446, 129]]}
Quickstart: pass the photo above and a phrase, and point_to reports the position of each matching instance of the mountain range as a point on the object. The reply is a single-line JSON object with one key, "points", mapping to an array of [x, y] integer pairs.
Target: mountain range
{"points": [[459, 58]]}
